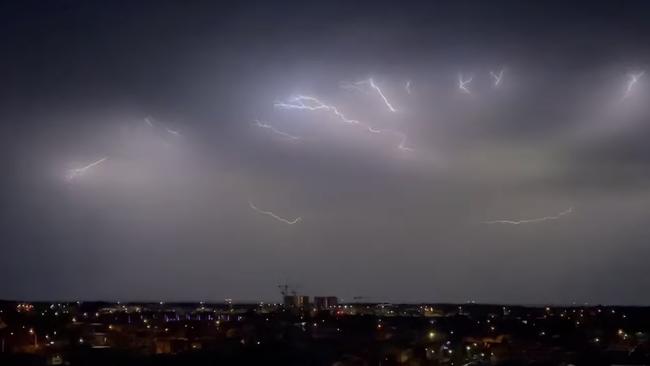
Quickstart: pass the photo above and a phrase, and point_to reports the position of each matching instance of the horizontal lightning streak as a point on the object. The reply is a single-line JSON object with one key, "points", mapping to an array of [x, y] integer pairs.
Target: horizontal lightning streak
{"points": [[261, 124], [74, 173], [529, 221], [173, 132], [269, 213], [304, 102]]}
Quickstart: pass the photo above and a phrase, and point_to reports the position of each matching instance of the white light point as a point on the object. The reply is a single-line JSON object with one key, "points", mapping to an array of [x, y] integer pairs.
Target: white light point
{"points": [[148, 121], [633, 79], [462, 84], [497, 77], [407, 86], [262, 124], [531, 221], [269, 213], [74, 173]]}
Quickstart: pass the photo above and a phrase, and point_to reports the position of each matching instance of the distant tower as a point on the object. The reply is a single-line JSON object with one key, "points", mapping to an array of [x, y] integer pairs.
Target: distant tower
{"points": [[289, 297], [303, 301]]}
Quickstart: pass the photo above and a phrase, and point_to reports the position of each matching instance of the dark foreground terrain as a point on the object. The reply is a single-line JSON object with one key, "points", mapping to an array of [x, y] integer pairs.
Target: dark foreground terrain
{"points": [[323, 334]]}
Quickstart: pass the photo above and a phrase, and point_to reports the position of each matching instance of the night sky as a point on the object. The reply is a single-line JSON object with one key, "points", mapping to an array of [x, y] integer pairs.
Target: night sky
{"points": [[169, 94]]}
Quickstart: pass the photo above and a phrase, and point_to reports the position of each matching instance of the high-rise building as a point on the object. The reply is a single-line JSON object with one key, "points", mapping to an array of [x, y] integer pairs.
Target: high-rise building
{"points": [[325, 302], [295, 301], [303, 301], [290, 301]]}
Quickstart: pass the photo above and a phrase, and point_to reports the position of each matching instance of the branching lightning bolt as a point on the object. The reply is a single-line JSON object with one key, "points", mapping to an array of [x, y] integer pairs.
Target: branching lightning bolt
{"points": [[309, 103], [269, 213], [530, 221], [462, 84], [74, 173], [497, 77], [262, 124], [633, 79]]}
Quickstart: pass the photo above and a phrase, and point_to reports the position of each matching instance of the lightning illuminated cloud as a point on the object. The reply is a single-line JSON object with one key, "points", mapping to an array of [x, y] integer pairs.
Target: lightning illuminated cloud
{"points": [[497, 78], [530, 221], [269, 213], [371, 83], [309, 103], [261, 124], [462, 84], [633, 79], [74, 173]]}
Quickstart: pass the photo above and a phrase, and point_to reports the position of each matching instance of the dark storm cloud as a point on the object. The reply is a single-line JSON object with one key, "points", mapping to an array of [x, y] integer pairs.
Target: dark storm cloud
{"points": [[167, 216]]}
